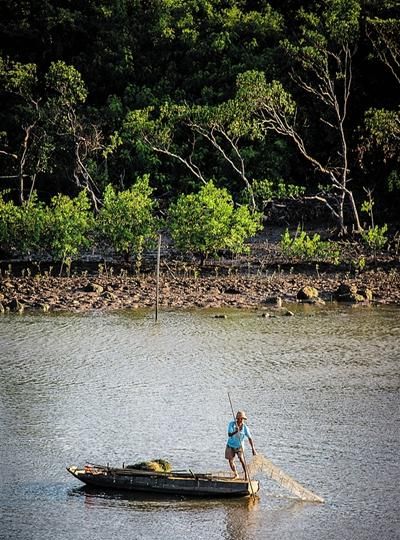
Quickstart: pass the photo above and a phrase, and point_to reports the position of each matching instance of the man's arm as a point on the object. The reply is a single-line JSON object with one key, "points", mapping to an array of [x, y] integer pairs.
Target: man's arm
{"points": [[253, 449], [232, 429]]}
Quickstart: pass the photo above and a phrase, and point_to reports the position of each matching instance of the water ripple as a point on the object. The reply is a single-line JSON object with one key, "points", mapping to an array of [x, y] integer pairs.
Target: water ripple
{"points": [[321, 390]]}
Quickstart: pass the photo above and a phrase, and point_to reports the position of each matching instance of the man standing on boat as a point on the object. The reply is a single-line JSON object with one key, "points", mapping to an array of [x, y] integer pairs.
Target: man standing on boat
{"points": [[237, 432]]}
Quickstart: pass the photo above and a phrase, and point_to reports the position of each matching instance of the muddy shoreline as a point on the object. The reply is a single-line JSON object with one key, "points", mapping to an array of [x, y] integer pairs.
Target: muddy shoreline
{"points": [[260, 280], [85, 293]]}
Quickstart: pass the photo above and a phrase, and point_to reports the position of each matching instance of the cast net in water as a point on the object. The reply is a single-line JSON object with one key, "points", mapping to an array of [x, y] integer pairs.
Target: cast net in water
{"points": [[260, 463]]}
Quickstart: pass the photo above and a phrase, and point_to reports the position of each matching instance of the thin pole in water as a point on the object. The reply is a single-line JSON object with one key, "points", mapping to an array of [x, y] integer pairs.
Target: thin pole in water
{"points": [[158, 275], [246, 470]]}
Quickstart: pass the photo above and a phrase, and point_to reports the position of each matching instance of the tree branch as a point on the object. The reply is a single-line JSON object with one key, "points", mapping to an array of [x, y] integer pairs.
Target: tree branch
{"points": [[194, 169]]}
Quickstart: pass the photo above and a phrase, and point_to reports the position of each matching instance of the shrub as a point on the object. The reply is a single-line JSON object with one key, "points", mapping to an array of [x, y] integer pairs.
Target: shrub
{"points": [[207, 222], [8, 220], [126, 221], [375, 237], [308, 248], [68, 224], [22, 228]]}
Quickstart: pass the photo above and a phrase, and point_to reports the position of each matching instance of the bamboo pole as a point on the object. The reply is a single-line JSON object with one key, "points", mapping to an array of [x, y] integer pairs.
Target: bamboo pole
{"points": [[158, 275]]}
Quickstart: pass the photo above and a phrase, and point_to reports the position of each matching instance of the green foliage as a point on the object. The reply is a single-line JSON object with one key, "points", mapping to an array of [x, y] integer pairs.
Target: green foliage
{"points": [[254, 93], [69, 222], [375, 237], [22, 228], [307, 248], [359, 264], [157, 465], [329, 27], [383, 136], [126, 221], [321, 55], [9, 218], [267, 190], [67, 82], [207, 222], [393, 181], [70, 73], [342, 20], [367, 206], [383, 131], [45, 129], [384, 36], [157, 127], [18, 78], [32, 226]]}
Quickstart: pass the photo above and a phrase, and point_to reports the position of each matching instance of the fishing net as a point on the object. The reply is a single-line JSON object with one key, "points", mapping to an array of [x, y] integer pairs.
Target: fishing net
{"points": [[260, 463]]}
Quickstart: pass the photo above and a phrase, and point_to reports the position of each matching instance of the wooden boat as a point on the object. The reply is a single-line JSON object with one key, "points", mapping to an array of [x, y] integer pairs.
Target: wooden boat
{"points": [[185, 483]]}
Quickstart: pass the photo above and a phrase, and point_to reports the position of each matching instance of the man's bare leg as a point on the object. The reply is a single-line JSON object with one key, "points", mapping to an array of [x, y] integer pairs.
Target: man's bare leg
{"points": [[243, 466], [233, 467]]}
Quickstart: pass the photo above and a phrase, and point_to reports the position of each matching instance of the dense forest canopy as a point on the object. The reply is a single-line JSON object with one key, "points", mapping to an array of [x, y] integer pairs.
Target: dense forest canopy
{"points": [[263, 98]]}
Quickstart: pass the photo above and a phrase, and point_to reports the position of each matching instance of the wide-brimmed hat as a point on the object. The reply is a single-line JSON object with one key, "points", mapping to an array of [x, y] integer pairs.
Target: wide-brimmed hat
{"points": [[241, 414]]}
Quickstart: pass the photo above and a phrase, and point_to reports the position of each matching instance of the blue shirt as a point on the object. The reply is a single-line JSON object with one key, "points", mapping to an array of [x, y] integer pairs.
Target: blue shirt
{"points": [[236, 440]]}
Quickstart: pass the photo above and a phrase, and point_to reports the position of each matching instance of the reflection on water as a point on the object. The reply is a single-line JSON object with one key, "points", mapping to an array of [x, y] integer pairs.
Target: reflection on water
{"points": [[238, 516], [321, 390], [153, 501]]}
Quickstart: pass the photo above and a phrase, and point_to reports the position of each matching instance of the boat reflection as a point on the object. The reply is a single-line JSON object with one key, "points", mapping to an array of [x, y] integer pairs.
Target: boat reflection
{"points": [[241, 521], [238, 519], [93, 496]]}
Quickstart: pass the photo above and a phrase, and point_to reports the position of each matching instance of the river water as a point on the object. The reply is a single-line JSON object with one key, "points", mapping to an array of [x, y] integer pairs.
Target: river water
{"points": [[321, 390]]}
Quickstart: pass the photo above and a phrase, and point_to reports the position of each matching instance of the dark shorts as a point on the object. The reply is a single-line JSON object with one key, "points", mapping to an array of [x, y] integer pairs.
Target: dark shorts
{"points": [[230, 452]]}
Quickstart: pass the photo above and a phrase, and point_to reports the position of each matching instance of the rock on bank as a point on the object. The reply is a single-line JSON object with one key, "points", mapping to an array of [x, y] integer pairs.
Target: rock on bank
{"points": [[87, 293]]}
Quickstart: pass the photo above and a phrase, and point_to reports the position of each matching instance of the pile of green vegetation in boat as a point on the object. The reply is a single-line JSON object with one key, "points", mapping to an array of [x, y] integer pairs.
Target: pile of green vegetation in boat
{"points": [[156, 465]]}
